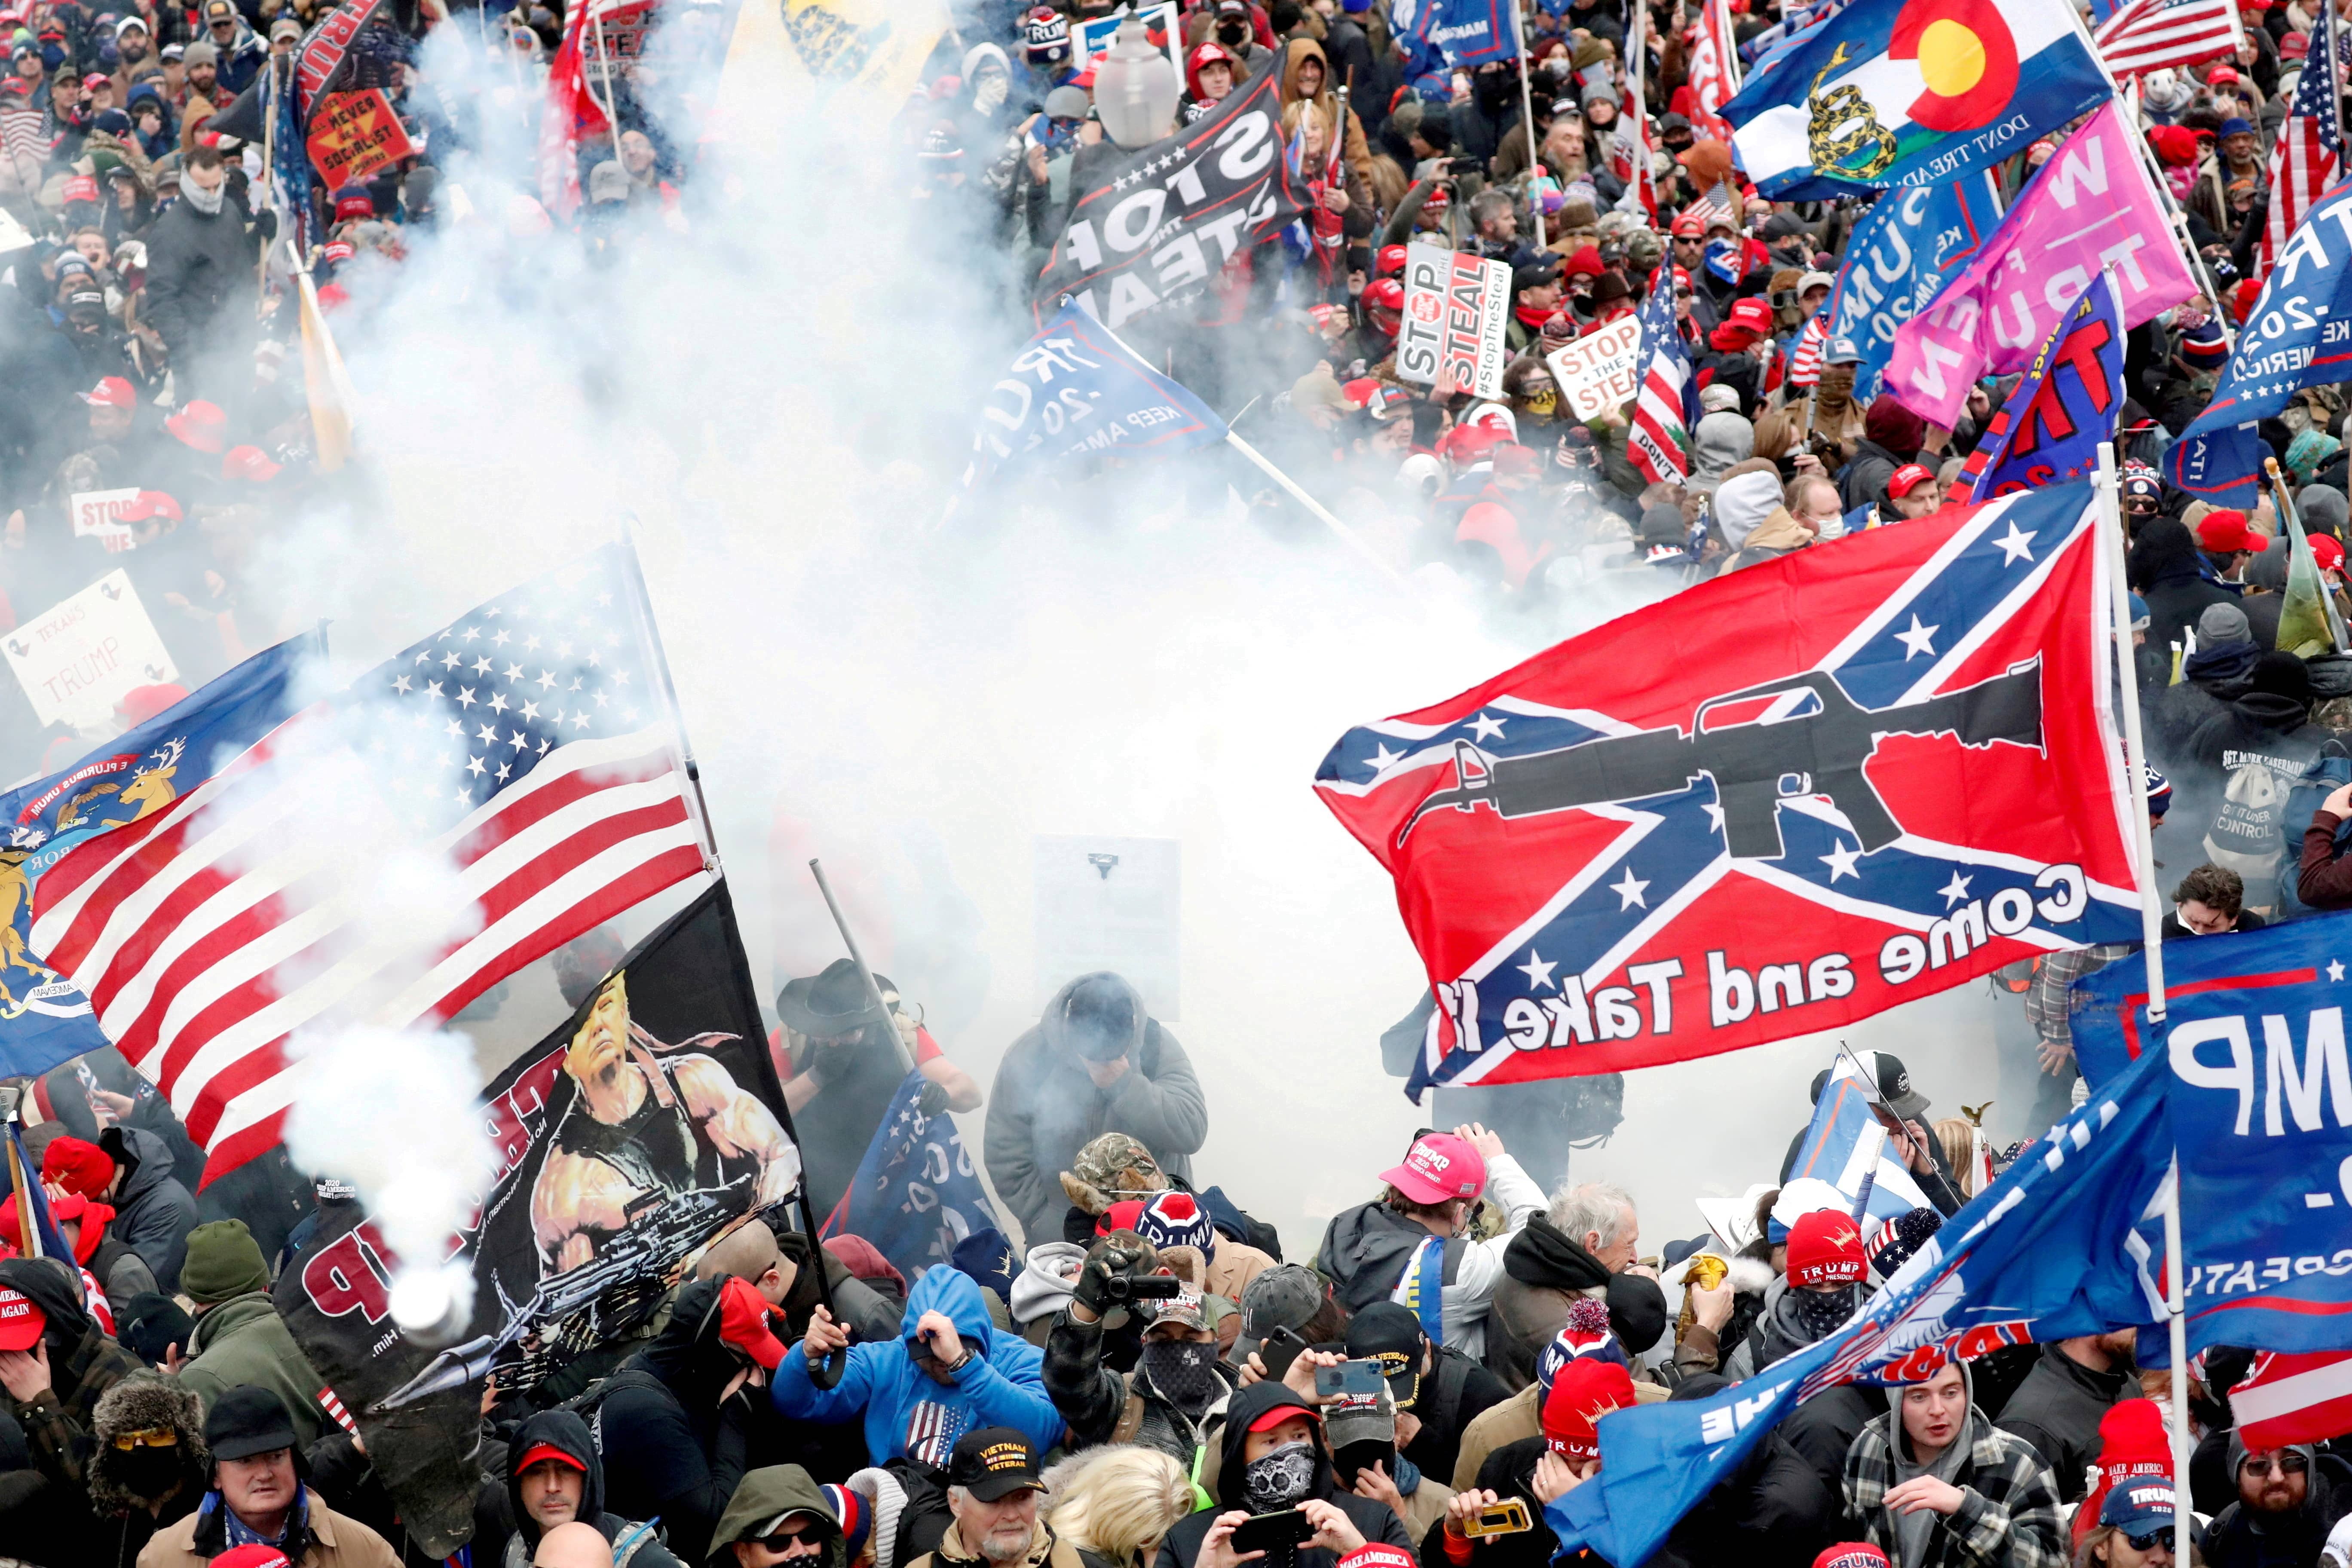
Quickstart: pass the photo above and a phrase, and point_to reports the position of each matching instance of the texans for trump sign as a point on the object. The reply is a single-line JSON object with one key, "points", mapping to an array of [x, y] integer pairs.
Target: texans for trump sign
{"points": [[1776, 802], [1456, 308], [80, 657]]}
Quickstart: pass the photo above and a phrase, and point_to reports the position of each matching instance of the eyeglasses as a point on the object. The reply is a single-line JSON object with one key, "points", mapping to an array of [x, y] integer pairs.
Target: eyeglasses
{"points": [[2288, 1465], [150, 1437], [2151, 1540], [805, 1543]]}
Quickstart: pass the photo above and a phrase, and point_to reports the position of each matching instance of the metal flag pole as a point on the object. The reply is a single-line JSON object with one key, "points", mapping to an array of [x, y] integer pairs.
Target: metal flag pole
{"points": [[857, 956], [1869, 1082], [1527, 109], [641, 608], [2107, 484]]}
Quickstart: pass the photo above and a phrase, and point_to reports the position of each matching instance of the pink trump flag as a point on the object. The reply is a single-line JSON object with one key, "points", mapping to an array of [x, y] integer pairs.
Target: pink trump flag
{"points": [[2092, 208]]}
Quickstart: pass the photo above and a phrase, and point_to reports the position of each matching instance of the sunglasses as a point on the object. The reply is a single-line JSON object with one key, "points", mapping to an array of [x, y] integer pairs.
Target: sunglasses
{"points": [[152, 1438], [808, 1541], [2288, 1465], [2151, 1540]]}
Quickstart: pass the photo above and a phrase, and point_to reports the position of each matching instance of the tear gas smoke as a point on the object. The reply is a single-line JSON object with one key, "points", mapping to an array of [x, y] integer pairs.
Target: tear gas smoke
{"points": [[784, 395], [393, 1113]]}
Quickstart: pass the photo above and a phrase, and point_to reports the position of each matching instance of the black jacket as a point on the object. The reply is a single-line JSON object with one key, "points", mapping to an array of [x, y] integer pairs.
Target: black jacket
{"points": [[1773, 1511], [2057, 1409], [152, 1212], [1509, 1471], [2237, 1539], [1864, 479], [348, 1481], [1374, 1520], [1453, 1393], [198, 267], [671, 1450]]}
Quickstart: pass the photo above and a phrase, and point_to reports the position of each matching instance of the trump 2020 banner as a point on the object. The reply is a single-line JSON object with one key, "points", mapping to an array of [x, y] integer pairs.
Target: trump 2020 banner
{"points": [[1776, 802], [2260, 1097]]}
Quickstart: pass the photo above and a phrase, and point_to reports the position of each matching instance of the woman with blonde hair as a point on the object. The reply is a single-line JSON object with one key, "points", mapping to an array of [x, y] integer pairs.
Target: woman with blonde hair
{"points": [[1117, 1503], [1958, 1137]]}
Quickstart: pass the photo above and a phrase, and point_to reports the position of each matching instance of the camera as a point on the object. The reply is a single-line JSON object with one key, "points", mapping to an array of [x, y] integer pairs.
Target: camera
{"points": [[1150, 1288]]}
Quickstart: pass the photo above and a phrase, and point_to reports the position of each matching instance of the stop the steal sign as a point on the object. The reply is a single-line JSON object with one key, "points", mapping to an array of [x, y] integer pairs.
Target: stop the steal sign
{"points": [[1457, 306]]}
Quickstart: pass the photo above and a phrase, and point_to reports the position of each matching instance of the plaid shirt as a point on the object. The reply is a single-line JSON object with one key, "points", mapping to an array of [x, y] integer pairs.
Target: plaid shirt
{"points": [[2008, 1516], [2047, 1003], [59, 1429]]}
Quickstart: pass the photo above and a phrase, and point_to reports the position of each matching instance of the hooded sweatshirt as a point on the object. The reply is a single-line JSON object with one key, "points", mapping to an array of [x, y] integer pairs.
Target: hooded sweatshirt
{"points": [[1891, 437], [1354, 150], [906, 1413], [1045, 1108], [152, 1212], [672, 1450], [766, 1494], [564, 1430], [1544, 1269], [1720, 440], [83, 1364], [1375, 1519], [1366, 1249]]}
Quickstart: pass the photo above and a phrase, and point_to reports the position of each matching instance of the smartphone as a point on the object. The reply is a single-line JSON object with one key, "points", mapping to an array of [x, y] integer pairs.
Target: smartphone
{"points": [[1348, 1377], [1280, 1349], [1507, 1517], [1269, 1531]]}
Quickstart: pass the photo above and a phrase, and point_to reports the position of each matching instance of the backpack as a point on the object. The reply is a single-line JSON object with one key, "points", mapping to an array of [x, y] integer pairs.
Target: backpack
{"points": [[2330, 770]]}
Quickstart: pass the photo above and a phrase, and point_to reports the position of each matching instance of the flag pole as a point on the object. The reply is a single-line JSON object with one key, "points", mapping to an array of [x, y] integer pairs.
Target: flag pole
{"points": [[1347, 534], [641, 610], [1528, 110], [2108, 486]]}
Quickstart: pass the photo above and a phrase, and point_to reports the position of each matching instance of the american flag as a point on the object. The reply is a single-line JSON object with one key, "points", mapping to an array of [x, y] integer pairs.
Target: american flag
{"points": [[1666, 407], [2310, 147], [384, 855], [1714, 77], [1629, 147], [1805, 359], [2154, 35], [2294, 1398]]}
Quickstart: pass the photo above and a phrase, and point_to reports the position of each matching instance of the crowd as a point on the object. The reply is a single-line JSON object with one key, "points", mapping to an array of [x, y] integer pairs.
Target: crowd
{"points": [[1131, 1375]]}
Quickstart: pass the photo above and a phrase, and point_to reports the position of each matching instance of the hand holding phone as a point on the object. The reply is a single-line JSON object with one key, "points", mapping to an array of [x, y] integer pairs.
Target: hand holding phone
{"points": [[1349, 1377], [1267, 1532]]}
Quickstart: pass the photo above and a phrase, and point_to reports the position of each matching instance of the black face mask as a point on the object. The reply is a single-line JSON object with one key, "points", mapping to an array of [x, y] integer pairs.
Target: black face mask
{"points": [[148, 1473], [1819, 1313], [1231, 34], [1185, 1371]]}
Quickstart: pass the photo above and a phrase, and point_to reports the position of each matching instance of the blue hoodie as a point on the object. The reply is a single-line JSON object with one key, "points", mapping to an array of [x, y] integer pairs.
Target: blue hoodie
{"points": [[909, 1415]]}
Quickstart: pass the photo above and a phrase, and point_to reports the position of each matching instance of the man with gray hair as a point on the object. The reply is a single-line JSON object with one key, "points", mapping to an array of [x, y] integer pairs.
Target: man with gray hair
{"points": [[992, 1487], [1586, 1243]]}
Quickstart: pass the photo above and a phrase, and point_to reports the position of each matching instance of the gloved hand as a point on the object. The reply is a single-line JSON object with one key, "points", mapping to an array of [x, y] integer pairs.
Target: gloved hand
{"points": [[1093, 1290], [743, 1316], [933, 1099]]}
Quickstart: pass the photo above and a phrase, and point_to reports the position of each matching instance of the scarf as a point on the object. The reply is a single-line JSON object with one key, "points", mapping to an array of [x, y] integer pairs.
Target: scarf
{"points": [[206, 202], [2307, 451]]}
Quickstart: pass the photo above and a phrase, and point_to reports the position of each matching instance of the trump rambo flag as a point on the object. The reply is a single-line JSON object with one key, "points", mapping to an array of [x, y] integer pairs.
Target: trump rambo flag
{"points": [[1776, 802]]}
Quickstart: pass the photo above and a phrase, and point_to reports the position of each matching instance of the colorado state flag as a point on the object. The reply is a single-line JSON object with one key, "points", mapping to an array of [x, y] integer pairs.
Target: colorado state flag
{"points": [[1892, 92]]}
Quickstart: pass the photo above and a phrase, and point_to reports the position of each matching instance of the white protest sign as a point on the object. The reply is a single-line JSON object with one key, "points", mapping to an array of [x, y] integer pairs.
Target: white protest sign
{"points": [[76, 660], [98, 513], [1094, 35], [1457, 306], [1595, 372], [1110, 903]]}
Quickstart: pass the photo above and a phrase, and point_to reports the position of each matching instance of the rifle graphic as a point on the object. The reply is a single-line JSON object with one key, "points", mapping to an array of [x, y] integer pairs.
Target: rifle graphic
{"points": [[1755, 765], [660, 1231]]}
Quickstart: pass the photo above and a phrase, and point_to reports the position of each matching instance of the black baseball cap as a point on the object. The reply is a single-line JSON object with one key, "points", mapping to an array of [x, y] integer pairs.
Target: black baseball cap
{"points": [[1895, 1085], [994, 1462], [1388, 1333]]}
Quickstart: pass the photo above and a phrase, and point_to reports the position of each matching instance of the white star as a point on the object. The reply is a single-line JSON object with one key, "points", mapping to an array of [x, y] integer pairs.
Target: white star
{"points": [[504, 769], [579, 718], [466, 698], [454, 729], [517, 740], [1382, 760], [1841, 860], [488, 733], [1713, 816], [482, 665], [462, 798], [531, 711], [501, 637], [451, 661], [1954, 891], [1487, 727], [2016, 546], [474, 765], [400, 684], [498, 702], [514, 672], [547, 680], [1629, 891], [1537, 968], [1917, 641], [530, 643], [2335, 969], [431, 688]]}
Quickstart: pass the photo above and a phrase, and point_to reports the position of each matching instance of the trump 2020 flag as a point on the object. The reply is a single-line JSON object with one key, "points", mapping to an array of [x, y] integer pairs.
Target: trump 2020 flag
{"points": [[1899, 92], [1075, 390], [915, 1194], [2298, 334], [1466, 32], [2050, 429], [1909, 244], [1775, 803], [1846, 1145], [2051, 1249]]}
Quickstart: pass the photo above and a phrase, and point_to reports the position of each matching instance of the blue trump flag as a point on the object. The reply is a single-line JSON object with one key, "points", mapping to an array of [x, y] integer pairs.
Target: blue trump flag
{"points": [[2050, 429], [1466, 32], [1075, 391], [2252, 1060], [1864, 100], [44, 1018], [1907, 247], [2048, 1251], [1846, 1143], [2298, 334], [916, 1195]]}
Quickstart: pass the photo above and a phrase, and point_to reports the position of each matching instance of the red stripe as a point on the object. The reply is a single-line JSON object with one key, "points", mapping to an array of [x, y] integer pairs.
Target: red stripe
{"points": [[240, 1148], [249, 1072], [666, 869], [542, 804], [591, 839]]}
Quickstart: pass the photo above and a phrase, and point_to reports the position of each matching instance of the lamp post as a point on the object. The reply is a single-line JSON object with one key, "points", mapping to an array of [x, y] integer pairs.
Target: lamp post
{"points": [[1135, 88]]}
